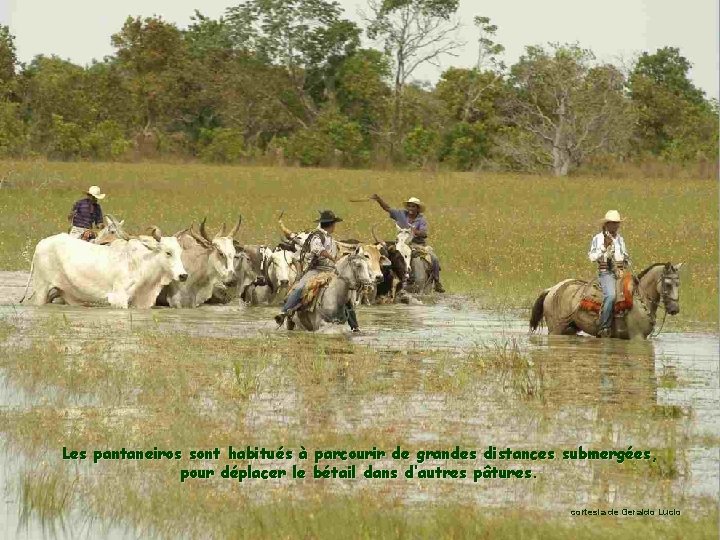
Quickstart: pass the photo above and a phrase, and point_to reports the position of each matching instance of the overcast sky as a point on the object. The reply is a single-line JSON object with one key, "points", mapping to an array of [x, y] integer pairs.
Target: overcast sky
{"points": [[80, 30]]}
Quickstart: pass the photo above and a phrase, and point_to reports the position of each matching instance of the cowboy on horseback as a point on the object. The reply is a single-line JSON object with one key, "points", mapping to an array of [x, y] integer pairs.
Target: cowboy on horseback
{"points": [[87, 213], [412, 217], [319, 254], [609, 252]]}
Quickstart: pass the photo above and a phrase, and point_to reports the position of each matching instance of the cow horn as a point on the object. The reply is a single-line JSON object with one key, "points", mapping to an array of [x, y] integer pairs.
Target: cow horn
{"points": [[198, 237], [236, 228], [287, 232], [203, 231], [155, 232], [375, 236]]}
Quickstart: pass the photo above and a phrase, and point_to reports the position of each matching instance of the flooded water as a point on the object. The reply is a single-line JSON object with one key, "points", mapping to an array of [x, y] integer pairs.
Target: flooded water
{"points": [[661, 393]]}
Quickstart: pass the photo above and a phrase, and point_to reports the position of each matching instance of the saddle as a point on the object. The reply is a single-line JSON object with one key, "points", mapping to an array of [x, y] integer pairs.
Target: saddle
{"points": [[422, 252], [88, 235], [592, 301], [313, 290]]}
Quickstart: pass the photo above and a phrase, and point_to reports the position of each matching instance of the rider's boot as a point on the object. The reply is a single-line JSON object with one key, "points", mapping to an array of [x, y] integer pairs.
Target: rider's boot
{"points": [[438, 287]]}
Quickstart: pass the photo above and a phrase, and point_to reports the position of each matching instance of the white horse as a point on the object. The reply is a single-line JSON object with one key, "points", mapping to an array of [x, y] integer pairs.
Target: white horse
{"points": [[352, 272]]}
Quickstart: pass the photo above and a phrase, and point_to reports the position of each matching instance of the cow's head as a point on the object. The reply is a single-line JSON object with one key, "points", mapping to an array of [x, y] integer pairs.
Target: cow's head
{"points": [[278, 269], [173, 254], [222, 258], [377, 260], [402, 244], [223, 249], [169, 255]]}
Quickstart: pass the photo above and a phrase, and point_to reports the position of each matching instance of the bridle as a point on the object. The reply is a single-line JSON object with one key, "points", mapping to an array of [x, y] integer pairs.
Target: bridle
{"points": [[353, 284], [665, 288]]}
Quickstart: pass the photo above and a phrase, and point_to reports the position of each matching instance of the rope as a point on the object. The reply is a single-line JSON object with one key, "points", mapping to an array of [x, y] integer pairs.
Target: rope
{"points": [[654, 335]]}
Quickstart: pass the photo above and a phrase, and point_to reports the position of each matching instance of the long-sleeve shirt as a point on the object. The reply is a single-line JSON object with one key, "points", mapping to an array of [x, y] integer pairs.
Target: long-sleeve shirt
{"points": [[323, 242], [86, 213], [606, 257], [419, 224]]}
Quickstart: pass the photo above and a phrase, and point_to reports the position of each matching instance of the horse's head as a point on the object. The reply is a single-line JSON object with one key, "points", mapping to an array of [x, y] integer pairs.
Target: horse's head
{"points": [[355, 269], [668, 287]]}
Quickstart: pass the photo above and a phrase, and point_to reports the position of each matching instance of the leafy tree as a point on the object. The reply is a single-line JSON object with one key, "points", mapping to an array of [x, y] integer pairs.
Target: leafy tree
{"points": [[570, 108], [222, 145], [333, 139], [309, 38], [413, 32], [674, 119], [206, 36], [421, 146], [362, 93], [66, 138], [13, 136], [106, 141], [8, 62], [153, 56], [54, 88], [466, 144]]}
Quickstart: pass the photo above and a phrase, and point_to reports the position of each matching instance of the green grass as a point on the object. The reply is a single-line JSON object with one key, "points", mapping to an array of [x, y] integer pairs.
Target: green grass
{"points": [[501, 238]]}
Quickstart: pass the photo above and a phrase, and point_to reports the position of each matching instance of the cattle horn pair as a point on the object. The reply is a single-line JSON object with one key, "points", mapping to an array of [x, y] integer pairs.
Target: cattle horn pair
{"points": [[199, 238]]}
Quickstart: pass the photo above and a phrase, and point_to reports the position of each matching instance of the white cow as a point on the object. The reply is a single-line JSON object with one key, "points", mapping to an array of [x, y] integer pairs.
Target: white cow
{"points": [[126, 273], [210, 265], [272, 270], [402, 244]]}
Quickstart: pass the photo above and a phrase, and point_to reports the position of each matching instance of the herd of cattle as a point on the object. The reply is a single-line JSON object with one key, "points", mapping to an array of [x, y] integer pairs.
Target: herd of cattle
{"points": [[193, 267]]}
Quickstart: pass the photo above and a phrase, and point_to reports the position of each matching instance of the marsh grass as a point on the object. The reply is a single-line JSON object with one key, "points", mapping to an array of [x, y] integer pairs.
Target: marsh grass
{"points": [[501, 238]]}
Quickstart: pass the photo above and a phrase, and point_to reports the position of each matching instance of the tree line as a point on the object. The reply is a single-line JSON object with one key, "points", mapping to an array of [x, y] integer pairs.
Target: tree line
{"points": [[290, 81]]}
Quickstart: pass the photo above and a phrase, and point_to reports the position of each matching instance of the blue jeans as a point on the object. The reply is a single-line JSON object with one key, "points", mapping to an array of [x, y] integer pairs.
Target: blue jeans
{"points": [[295, 295], [607, 283]]}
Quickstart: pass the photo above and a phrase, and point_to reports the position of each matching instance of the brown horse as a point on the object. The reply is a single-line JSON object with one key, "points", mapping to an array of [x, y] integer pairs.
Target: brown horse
{"points": [[563, 314]]}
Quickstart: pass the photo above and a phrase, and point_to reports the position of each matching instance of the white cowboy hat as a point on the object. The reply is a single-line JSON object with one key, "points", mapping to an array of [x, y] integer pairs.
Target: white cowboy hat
{"points": [[417, 202], [612, 215], [95, 192]]}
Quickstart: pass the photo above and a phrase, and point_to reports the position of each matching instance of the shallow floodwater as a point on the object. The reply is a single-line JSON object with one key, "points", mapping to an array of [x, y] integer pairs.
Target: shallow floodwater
{"points": [[587, 380]]}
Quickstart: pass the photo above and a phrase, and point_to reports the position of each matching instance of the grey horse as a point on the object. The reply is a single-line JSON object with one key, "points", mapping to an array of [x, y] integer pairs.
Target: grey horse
{"points": [[560, 304], [352, 272]]}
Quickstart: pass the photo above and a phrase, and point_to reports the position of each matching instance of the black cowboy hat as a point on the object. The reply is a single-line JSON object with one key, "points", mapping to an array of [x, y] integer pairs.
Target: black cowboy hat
{"points": [[328, 216]]}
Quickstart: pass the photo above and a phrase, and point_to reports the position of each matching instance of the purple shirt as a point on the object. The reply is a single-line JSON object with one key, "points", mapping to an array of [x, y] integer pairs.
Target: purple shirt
{"points": [[419, 224], [85, 213]]}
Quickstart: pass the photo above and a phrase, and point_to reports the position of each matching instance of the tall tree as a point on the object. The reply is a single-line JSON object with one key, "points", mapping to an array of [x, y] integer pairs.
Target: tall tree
{"points": [[8, 61], [152, 54], [668, 103], [362, 92], [308, 38], [565, 108], [413, 32]]}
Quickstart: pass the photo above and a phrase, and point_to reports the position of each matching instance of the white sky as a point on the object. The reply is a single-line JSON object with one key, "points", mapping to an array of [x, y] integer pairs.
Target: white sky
{"points": [[615, 29]]}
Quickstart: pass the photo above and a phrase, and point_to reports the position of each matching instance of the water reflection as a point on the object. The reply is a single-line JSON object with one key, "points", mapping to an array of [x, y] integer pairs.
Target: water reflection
{"points": [[497, 385]]}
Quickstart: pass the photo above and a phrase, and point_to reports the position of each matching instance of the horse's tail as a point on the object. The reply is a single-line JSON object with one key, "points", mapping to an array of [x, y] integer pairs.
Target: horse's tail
{"points": [[537, 312]]}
